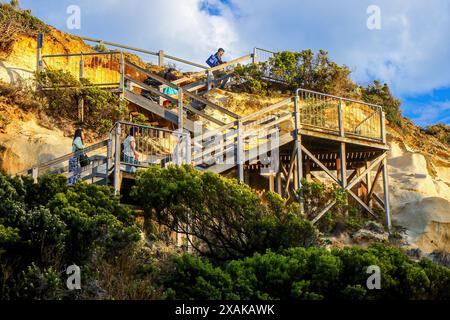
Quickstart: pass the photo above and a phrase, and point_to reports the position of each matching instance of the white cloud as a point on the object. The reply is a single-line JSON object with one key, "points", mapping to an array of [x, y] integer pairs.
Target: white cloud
{"points": [[178, 27]]}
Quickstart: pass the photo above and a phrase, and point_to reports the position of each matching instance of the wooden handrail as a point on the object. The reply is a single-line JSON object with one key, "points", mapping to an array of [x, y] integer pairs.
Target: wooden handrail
{"points": [[144, 51], [67, 157], [230, 63], [268, 109]]}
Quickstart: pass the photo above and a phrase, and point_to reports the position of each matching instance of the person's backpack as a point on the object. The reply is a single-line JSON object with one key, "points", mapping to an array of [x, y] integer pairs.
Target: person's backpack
{"points": [[212, 61], [152, 82], [83, 158]]}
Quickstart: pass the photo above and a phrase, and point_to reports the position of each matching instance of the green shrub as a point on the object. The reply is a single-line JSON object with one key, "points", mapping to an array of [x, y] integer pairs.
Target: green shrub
{"points": [[101, 107], [49, 226], [35, 283], [381, 95], [309, 274], [95, 221], [199, 279], [227, 217]]}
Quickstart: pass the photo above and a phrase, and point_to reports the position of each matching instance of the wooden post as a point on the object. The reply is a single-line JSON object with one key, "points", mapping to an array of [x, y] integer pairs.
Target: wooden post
{"points": [[272, 182], [161, 58], [122, 73], [109, 151], [343, 162], [341, 119], [387, 208], [209, 80], [35, 174], [278, 183], [343, 166], [188, 148], [383, 127], [298, 143], [117, 160], [81, 66], [240, 152], [40, 45], [368, 183], [254, 57]]}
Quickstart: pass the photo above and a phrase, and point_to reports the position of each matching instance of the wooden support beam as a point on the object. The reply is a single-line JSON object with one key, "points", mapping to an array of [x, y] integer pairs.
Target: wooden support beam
{"points": [[376, 197], [365, 206], [353, 175], [359, 178], [278, 183], [368, 183], [320, 164], [325, 210], [387, 208], [291, 170], [375, 180], [343, 162], [272, 183]]}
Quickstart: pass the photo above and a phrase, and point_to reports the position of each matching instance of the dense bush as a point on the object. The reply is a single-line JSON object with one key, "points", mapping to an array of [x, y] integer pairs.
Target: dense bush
{"points": [[316, 72], [381, 95], [226, 217], [47, 226], [308, 273], [298, 70], [99, 104], [440, 131]]}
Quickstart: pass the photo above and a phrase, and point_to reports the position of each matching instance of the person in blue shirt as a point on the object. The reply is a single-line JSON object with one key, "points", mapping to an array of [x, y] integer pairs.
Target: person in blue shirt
{"points": [[171, 77], [77, 143], [216, 59]]}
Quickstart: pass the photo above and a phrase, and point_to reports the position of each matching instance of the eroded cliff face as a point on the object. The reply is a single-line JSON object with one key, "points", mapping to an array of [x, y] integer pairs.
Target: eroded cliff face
{"points": [[19, 65], [26, 140], [420, 196]]}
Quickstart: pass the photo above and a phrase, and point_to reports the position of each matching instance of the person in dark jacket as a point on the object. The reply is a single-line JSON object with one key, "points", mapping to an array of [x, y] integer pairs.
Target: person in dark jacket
{"points": [[214, 61]]}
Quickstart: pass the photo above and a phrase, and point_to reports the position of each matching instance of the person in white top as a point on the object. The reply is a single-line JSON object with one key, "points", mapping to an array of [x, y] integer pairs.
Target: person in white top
{"points": [[129, 150]]}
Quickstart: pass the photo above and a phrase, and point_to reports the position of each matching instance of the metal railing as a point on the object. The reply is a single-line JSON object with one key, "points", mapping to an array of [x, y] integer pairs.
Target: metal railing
{"points": [[159, 56], [341, 116], [100, 69], [155, 146], [95, 171], [262, 55]]}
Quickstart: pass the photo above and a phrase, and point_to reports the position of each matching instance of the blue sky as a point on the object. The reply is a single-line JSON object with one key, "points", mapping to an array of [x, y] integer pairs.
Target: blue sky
{"points": [[411, 51]]}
